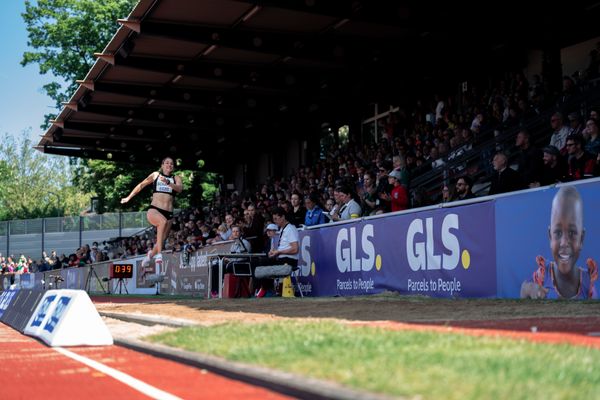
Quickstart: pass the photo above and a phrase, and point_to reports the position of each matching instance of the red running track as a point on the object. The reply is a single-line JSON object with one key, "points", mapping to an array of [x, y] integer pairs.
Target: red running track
{"points": [[31, 370]]}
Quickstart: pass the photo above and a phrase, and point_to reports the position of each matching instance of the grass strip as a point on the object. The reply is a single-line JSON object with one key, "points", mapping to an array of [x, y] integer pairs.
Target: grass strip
{"points": [[403, 363]]}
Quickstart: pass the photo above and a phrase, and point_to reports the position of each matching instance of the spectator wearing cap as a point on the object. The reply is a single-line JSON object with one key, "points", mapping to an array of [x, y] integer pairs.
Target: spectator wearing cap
{"points": [[271, 232], [399, 194], [314, 213], [554, 168], [399, 163]]}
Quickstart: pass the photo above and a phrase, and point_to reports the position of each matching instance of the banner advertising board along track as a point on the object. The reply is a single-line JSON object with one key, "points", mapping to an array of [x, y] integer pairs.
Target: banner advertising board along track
{"points": [[445, 252], [490, 248]]}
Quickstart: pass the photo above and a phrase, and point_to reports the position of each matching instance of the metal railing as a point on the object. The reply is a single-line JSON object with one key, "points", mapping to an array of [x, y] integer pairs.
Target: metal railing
{"points": [[35, 235]]}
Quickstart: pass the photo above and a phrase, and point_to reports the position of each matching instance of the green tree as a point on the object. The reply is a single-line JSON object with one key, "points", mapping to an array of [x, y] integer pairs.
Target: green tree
{"points": [[111, 181], [34, 184], [65, 34]]}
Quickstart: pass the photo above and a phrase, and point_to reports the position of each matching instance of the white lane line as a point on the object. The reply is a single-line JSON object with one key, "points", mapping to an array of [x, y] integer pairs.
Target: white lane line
{"points": [[120, 376]]}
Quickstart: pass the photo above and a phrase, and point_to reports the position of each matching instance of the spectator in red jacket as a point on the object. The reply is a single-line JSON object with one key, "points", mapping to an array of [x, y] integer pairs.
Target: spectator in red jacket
{"points": [[399, 194], [581, 163]]}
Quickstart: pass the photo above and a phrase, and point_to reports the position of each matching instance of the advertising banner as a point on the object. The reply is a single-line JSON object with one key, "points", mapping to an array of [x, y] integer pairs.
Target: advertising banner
{"points": [[6, 298], [187, 274], [546, 242], [21, 308], [538, 243], [446, 252]]}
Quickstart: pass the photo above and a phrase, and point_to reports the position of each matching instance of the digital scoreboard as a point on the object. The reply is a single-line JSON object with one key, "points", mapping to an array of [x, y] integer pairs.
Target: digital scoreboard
{"points": [[121, 271]]}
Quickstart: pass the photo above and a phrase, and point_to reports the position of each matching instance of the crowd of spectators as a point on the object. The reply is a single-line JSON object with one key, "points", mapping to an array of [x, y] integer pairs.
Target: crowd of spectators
{"points": [[353, 179], [86, 254]]}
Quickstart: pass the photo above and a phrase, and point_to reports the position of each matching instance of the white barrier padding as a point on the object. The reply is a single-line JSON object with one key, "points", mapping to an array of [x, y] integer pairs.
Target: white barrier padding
{"points": [[68, 318], [46, 306]]}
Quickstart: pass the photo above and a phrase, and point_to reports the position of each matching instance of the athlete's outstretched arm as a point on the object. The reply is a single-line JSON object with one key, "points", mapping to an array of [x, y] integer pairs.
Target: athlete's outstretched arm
{"points": [[138, 188]]}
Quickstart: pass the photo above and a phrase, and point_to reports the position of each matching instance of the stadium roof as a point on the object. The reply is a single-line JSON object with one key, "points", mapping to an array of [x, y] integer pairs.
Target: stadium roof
{"points": [[215, 79]]}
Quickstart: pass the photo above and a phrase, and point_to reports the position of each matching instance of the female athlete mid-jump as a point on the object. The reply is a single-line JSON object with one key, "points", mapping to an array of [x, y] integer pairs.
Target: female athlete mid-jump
{"points": [[160, 213]]}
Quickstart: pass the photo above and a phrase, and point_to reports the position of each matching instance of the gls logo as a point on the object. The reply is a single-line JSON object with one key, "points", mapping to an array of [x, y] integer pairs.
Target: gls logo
{"points": [[420, 250], [347, 247], [305, 262]]}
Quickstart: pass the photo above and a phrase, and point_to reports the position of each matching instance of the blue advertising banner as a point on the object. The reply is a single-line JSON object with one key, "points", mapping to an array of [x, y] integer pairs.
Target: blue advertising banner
{"points": [[446, 252], [21, 307], [6, 297], [546, 242], [43, 309], [58, 312]]}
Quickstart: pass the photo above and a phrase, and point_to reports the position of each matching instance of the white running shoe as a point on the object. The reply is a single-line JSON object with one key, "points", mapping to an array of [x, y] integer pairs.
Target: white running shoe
{"points": [[158, 262], [146, 260]]}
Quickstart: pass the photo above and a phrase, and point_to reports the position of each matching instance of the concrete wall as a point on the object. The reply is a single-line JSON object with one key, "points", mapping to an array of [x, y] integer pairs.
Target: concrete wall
{"points": [[576, 58]]}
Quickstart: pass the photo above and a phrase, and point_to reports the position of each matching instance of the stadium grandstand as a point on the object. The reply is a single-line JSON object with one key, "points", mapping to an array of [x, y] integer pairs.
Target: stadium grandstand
{"points": [[292, 99], [420, 176], [300, 99]]}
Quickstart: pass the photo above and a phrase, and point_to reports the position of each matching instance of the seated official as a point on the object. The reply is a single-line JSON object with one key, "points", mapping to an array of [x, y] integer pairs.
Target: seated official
{"points": [[285, 251], [239, 246]]}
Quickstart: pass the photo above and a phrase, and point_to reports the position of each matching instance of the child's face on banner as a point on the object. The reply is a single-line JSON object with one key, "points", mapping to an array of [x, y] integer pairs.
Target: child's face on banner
{"points": [[566, 232]]}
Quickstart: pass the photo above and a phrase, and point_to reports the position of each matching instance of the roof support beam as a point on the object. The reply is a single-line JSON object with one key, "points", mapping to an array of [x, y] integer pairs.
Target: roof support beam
{"points": [[215, 101], [259, 77], [364, 11], [191, 117], [319, 49], [105, 130]]}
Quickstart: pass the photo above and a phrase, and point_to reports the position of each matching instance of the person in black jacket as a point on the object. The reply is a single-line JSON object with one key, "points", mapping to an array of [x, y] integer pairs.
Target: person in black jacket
{"points": [[529, 159], [505, 179], [464, 187], [297, 214]]}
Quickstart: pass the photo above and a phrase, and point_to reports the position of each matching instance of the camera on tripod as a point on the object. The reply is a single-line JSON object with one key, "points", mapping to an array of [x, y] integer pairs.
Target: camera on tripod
{"points": [[88, 280], [55, 281]]}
